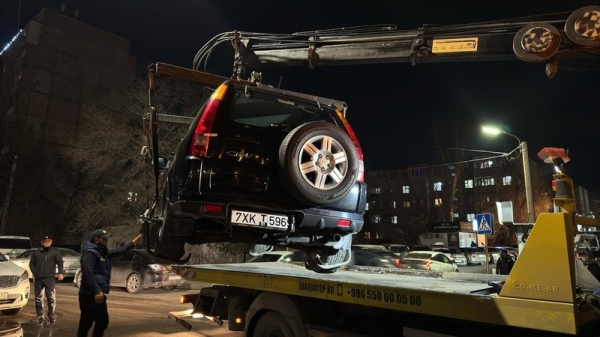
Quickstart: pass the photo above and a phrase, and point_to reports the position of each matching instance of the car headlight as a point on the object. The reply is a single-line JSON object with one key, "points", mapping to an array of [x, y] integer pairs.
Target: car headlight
{"points": [[24, 277]]}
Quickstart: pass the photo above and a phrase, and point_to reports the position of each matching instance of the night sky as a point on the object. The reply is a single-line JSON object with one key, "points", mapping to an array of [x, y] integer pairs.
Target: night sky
{"points": [[391, 106]]}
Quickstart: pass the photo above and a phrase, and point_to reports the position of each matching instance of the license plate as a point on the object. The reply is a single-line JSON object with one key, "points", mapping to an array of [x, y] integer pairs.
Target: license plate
{"points": [[3, 296], [259, 219]]}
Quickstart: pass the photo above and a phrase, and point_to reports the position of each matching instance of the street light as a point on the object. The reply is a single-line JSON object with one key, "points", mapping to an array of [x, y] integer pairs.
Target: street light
{"points": [[526, 173]]}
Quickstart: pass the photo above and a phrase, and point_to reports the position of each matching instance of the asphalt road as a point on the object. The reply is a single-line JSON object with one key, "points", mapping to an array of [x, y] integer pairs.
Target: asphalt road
{"points": [[140, 315]]}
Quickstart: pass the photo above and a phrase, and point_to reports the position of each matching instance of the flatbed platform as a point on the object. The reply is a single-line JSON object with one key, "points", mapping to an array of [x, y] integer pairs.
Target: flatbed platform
{"points": [[536, 295]]}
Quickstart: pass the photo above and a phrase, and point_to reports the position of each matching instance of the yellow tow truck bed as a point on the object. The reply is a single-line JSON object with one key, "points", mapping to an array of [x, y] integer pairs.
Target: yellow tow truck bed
{"points": [[541, 292]]}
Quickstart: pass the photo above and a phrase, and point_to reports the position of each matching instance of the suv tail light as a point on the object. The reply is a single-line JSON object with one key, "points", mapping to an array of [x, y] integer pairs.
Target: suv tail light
{"points": [[361, 164], [201, 137]]}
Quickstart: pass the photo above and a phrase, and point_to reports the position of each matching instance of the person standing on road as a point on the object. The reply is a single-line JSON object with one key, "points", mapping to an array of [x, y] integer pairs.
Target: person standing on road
{"points": [[95, 281], [505, 263], [43, 265]]}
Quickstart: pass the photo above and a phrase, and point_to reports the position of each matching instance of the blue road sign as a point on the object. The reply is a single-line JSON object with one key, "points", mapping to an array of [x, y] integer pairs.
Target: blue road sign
{"points": [[484, 223]]}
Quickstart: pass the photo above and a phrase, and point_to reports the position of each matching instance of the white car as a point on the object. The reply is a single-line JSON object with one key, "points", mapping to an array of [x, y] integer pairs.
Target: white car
{"points": [[11, 246], [428, 260], [14, 287], [71, 261]]}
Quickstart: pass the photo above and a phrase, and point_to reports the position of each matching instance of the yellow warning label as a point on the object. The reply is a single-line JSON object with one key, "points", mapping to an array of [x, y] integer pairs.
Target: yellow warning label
{"points": [[459, 45]]}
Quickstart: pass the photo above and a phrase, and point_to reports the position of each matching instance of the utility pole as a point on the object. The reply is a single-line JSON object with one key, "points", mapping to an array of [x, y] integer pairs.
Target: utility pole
{"points": [[8, 195], [527, 178]]}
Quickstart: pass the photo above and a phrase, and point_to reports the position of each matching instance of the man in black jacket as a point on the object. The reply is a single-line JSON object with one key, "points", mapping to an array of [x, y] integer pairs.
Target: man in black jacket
{"points": [[95, 281], [505, 263], [43, 265]]}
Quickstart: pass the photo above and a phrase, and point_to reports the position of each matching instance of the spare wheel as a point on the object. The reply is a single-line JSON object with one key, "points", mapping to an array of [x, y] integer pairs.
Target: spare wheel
{"points": [[318, 163]]}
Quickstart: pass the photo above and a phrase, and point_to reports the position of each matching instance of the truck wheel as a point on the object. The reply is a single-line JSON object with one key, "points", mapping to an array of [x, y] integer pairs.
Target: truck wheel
{"points": [[134, 283], [272, 324], [318, 163], [167, 246]]}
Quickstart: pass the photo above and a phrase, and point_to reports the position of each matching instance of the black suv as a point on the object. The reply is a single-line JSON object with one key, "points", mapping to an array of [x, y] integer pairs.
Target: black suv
{"points": [[268, 167]]}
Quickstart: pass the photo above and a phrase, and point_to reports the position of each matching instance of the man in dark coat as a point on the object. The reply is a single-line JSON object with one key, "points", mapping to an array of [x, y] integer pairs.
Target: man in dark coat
{"points": [[505, 263], [95, 281], [43, 265]]}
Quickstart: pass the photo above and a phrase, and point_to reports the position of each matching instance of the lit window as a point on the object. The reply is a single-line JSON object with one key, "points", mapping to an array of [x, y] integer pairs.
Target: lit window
{"points": [[438, 201], [406, 204], [393, 205], [485, 181], [486, 164], [375, 218], [437, 186], [506, 180], [405, 189], [376, 190], [367, 235], [417, 172], [394, 219], [469, 183], [470, 216], [456, 215]]}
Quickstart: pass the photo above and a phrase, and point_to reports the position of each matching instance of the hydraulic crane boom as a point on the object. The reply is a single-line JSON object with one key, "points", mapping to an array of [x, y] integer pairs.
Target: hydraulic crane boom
{"points": [[532, 39]]}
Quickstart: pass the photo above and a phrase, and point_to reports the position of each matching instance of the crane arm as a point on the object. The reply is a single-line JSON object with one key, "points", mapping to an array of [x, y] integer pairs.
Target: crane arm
{"points": [[531, 39]]}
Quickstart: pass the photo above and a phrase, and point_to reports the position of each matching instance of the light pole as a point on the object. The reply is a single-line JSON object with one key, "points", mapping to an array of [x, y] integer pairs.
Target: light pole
{"points": [[526, 172]]}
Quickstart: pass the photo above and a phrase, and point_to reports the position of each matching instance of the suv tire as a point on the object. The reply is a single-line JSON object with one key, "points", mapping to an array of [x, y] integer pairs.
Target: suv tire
{"points": [[318, 162], [168, 246]]}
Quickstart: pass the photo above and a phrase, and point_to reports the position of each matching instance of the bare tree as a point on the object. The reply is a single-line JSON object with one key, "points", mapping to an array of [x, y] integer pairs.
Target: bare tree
{"points": [[451, 135], [107, 154]]}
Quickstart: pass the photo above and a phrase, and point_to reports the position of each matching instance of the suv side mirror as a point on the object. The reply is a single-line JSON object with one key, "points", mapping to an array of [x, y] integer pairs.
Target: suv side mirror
{"points": [[162, 163]]}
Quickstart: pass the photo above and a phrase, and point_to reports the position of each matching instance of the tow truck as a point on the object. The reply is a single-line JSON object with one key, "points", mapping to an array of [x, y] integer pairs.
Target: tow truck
{"points": [[548, 292]]}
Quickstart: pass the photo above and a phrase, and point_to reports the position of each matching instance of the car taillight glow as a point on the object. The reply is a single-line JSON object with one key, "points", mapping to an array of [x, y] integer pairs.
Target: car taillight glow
{"points": [[343, 223], [361, 164], [212, 208], [397, 262], [157, 267], [201, 136]]}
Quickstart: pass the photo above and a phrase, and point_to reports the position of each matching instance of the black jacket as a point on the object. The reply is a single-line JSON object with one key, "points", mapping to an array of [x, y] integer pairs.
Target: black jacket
{"points": [[43, 262], [95, 267], [504, 265]]}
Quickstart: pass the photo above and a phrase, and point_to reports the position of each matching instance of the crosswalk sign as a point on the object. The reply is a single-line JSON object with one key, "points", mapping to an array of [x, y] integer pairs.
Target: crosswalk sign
{"points": [[484, 223]]}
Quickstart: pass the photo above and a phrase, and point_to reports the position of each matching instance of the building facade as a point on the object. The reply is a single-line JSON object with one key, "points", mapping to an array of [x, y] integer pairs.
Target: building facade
{"points": [[404, 202], [54, 69]]}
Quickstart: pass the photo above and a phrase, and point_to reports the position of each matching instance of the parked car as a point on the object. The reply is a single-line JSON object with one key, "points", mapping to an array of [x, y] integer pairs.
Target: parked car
{"points": [[280, 256], [495, 253], [374, 258], [263, 165], [11, 246], [475, 255], [414, 248], [398, 249], [71, 261], [14, 287], [136, 270], [368, 246], [458, 256], [443, 250], [428, 260]]}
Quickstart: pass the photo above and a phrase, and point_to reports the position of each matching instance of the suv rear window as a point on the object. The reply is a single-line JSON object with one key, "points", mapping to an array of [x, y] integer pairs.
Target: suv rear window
{"points": [[264, 110]]}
